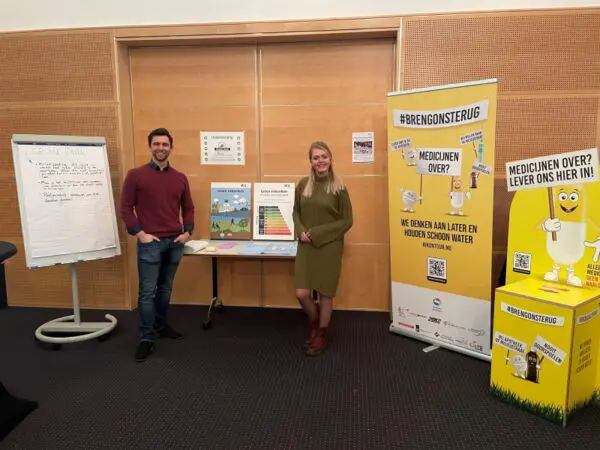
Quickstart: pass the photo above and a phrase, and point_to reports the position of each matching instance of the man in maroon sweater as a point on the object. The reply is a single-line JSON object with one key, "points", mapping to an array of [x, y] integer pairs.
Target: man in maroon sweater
{"points": [[153, 197]]}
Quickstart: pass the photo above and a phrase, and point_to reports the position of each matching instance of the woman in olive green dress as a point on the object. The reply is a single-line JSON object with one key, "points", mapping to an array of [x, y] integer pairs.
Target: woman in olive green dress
{"points": [[322, 217]]}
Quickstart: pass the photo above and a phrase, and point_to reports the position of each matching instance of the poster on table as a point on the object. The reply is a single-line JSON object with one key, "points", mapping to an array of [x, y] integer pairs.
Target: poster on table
{"points": [[230, 210], [222, 148], [441, 209], [273, 211]]}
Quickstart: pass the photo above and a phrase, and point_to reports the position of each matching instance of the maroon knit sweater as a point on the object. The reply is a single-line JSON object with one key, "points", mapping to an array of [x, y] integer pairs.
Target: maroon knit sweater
{"points": [[152, 200]]}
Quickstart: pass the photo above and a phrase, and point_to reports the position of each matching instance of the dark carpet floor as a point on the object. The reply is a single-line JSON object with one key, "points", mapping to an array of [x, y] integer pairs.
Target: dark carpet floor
{"points": [[246, 384]]}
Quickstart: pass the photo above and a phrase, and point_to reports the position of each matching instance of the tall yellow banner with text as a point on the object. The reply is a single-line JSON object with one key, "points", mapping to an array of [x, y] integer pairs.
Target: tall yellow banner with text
{"points": [[441, 207]]}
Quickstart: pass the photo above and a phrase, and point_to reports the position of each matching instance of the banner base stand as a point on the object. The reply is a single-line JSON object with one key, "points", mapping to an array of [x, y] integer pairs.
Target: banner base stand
{"points": [[434, 343], [430, 348]]}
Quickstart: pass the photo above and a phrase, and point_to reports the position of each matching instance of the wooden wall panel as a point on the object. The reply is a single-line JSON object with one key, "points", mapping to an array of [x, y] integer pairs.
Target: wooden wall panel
{"points": [[369, 197], [326, 73], [548, 67], [192, 283], [192, 77], [44, 118], [185, 123], [364, 284], [287, 132], [59, 83], [365, 280], [291, 103], [284, 96], [189, 90], [239, 281], [526, 52], [278, 284], [536, 126], [325, 91], [102, 283], [90, 120], [195, 89], [10, 222], [75, 66]]}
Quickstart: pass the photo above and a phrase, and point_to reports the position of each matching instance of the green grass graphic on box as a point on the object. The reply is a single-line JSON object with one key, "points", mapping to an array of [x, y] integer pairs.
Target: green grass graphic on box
{"points": [[550, 412]]}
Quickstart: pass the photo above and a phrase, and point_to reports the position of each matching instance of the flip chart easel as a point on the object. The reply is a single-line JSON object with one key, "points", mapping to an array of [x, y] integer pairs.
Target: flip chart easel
{"points": [[67, 217]]}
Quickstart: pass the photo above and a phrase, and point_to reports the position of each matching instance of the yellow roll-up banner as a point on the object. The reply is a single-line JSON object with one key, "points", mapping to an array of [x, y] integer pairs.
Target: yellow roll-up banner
{"points": [[441, 209]]}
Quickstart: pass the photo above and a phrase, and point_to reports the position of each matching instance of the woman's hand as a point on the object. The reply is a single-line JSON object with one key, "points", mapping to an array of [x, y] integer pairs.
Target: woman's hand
{"points": [[305, 236]]}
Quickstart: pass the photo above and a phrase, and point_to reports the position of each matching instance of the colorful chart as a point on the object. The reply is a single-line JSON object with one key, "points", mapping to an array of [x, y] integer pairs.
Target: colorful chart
{"points": [[273, 210], [271, 222]]}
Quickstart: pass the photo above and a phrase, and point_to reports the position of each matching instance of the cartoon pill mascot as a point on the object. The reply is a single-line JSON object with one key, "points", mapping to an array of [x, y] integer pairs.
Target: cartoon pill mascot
{"points": [[566, 232], [410, 156], [409, 198], [519, 365], [457, 198]]}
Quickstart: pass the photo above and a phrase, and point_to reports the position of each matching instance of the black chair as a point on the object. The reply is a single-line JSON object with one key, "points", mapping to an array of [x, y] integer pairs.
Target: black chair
{"points": [[7, 250], [13, 411]]}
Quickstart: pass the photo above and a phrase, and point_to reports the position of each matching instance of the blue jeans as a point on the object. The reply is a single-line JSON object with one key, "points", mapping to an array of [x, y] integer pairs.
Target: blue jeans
{"points": [[157, 265]]}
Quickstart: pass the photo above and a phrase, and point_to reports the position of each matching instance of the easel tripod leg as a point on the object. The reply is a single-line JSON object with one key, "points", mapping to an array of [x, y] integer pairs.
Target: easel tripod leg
{"points": [[71, 328]]}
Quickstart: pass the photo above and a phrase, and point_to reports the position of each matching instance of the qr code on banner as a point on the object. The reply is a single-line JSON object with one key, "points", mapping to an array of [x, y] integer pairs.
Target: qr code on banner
{"points": [[436, 270], [522, 263]]}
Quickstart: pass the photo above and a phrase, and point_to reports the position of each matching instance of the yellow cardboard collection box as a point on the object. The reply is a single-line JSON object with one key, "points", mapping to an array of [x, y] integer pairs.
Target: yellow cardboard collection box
{"points": [[545, 347], [545, 336]]}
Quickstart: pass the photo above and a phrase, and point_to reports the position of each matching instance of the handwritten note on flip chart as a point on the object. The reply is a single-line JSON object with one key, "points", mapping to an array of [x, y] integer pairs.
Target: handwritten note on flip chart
{"points": [[67, 199]]}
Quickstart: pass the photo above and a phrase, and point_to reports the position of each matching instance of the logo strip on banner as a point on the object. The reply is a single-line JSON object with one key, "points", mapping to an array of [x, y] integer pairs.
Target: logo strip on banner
{"points": [[441, 197]]}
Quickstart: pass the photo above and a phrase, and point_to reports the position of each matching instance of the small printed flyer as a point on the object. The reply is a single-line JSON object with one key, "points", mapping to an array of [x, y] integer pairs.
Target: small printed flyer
{"points": [[363, 147]]}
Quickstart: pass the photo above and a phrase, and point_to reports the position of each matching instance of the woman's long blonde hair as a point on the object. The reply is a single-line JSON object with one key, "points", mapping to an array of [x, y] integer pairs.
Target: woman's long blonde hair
{"points": [[334, 184]]}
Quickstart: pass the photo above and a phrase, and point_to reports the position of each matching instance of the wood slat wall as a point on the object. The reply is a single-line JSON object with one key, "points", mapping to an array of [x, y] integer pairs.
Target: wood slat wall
{"points": [[548, 66], [60, 83], [283, 96], [71, 82]]}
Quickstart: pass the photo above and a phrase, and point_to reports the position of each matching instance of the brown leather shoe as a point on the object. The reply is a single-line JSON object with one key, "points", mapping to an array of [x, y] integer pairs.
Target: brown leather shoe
{"points": [[313, 326], [317, 343]]}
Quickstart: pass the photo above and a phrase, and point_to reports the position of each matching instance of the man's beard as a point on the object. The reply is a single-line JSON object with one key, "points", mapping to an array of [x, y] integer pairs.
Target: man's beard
{"points": [[160, 155]]}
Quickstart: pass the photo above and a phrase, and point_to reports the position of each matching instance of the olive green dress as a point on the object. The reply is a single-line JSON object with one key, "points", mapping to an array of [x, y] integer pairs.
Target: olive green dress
{"points": [[327, 217]]}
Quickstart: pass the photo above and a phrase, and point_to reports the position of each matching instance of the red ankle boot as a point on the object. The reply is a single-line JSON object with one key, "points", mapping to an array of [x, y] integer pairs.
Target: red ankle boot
{"points": [[317, 343], [313, 326]]}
